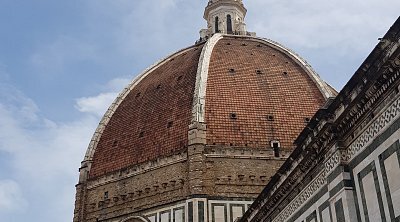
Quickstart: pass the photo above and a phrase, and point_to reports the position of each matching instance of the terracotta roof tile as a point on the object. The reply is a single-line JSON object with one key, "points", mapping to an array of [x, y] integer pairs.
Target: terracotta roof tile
{"points": [[265, 82], [153, 120], [254, 94]]}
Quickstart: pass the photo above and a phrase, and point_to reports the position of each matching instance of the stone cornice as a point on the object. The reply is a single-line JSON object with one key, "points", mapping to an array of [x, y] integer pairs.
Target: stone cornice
{"points": [[366, 96], [215, 151], [136, 170]]}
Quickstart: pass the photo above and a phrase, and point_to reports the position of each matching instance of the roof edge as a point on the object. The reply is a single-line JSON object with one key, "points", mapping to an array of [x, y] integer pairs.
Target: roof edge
{"points": [[322, 86]]}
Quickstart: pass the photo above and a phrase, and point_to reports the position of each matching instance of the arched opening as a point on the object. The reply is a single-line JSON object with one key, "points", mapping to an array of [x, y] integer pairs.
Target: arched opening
{"points": [[229, 24], [216, 24], [135, 219], [276, 145]]}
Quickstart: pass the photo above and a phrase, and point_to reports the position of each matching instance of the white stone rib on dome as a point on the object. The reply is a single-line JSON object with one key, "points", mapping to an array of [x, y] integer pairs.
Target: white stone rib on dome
{"points": [[204, 62], [199, 101]]}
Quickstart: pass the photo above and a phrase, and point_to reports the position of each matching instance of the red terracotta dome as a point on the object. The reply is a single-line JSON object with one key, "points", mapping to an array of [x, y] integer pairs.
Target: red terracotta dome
{"points": [[248, 91]]}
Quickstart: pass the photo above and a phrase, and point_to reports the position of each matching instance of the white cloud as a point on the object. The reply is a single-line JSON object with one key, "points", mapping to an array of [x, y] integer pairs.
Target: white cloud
{"points": [[44, 155], [144, 30], [117, 84], [11, 198], [17, 103], [10, 132], [96, 104], [345, 26], [43, 158], [17, 113], [333, 36]]}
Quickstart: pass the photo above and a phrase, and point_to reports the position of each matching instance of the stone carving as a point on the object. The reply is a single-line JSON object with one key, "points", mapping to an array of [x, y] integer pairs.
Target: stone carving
{"points": [[332, 162], [303, 197], [136, 195], [388, 76], [138, 169], [370, 133]]}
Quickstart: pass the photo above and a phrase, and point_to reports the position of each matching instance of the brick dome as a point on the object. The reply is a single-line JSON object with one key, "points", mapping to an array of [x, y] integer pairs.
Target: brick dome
{"points": [[248, 92]]}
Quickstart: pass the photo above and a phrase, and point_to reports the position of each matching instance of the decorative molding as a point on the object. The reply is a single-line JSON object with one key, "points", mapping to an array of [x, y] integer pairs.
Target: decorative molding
{"points": [[244, 153], [391, 113], [356, 106], [137, 170], [135, 218], [145, 193], [242, 180], [303, 197], [285, 185], [332, 162]]}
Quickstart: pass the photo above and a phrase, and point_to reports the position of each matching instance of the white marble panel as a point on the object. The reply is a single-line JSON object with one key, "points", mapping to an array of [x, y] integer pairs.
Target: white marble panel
{"points": [[219, 214], [371, 198], [237, 212], [393, 174], [164, 217], [152, 219], [178, 215], [326, 217]]}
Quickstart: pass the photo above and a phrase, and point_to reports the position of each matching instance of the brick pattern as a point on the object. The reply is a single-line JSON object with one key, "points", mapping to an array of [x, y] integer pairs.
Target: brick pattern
{"points": [[153, 120], [239, 177], [140, 192], [255, 81]]}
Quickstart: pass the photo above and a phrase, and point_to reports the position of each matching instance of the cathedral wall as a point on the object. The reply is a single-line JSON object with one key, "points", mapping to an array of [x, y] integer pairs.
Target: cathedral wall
{"points": [[239, 172], [375, 168], [129, 191], [200, 210]]}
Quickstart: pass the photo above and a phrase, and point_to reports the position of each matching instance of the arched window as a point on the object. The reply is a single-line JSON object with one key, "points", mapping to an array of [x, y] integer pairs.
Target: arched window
{"points": [[229, 24], [216, 24], [276, 145]]}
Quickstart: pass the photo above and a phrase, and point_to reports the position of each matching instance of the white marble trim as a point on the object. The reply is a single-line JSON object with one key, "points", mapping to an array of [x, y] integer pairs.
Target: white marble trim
{"points": [[302, 198], [199, 102]]}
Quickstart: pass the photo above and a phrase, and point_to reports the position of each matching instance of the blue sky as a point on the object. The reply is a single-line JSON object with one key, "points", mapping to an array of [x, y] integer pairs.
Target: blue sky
{"points": [[63, 62]]}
